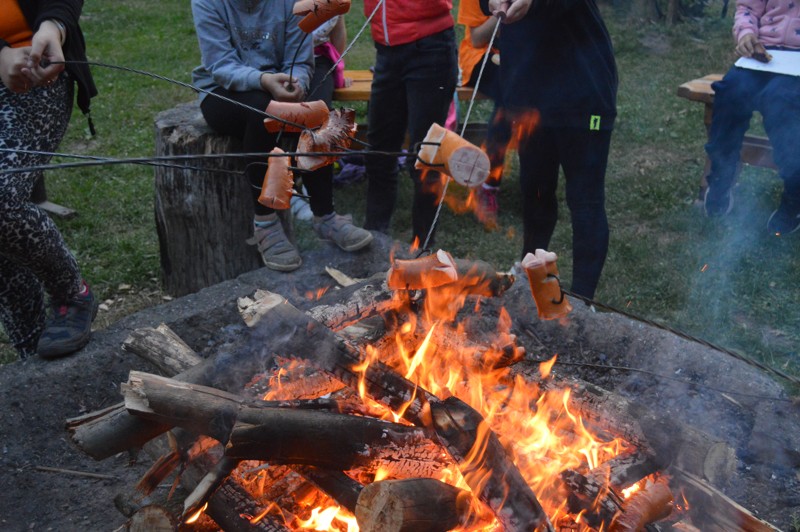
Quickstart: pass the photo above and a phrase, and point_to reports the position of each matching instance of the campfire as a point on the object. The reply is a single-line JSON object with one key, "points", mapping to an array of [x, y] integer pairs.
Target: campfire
{"points": [[406, 404]]}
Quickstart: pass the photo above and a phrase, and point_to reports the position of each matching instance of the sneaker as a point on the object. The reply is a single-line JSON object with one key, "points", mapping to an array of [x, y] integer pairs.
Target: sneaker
{"points": [[69, 327], [342, 232], [277, 253], [785, 220], [717, 202], [487, 206]]}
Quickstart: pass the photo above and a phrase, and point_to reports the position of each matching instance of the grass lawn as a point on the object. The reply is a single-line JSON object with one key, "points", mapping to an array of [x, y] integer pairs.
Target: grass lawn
{"points": [[726, 281]]}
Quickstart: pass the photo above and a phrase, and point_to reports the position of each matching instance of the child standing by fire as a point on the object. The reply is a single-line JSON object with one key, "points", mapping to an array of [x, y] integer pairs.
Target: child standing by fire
{"points": [[557, 61], [415, 76], [252, 52], [758, 25]]}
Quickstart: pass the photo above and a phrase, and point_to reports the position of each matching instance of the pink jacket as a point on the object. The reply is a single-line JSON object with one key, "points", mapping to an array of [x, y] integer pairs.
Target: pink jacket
{"points": [[774, 22]]}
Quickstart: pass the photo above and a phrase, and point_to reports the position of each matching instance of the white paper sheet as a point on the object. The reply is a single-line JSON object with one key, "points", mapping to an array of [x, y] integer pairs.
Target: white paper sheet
{"points": [[783, 62]]}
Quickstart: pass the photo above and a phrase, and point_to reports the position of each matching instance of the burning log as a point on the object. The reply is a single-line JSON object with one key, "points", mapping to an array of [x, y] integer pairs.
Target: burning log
{"points": [[316, 12], [106, 432], [338, 486], [307, 339], [413, 505], [486, 466], [335, 134], [199, 497], [666, 439], [268, 431], [276, 190], [306, 115], [650, 504], [597, 492], [623, 470], [447, 151]]}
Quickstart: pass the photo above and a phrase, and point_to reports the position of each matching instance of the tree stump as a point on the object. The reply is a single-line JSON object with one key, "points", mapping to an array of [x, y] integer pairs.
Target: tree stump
{"points": [[203, 219]]}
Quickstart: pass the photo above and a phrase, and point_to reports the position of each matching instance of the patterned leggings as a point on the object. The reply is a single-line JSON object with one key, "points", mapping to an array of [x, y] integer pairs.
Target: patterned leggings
{"points": [[33, 255]]}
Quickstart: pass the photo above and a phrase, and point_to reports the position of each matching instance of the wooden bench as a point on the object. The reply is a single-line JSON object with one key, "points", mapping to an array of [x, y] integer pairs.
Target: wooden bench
{"points": [[756, 150]]}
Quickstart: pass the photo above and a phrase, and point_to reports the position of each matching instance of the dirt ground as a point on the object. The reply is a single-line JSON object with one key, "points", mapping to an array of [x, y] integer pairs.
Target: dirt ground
{"points": [[47, 484]]}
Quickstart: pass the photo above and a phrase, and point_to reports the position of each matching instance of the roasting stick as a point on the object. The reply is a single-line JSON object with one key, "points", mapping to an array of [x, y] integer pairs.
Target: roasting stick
{"points": [[500, 15]]}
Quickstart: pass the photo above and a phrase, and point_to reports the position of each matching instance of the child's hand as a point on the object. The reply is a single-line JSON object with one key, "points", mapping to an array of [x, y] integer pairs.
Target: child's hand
{"points": [[282, 87], [747, 45], [517, 10]]}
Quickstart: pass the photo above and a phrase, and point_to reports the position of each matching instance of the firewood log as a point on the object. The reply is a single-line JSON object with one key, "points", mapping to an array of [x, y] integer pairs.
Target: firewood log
{"points": [[486, 466], [162, 348], [413, 505], [151, 518], [108, 431], [710, 508], [271, 431], [337, 485]]}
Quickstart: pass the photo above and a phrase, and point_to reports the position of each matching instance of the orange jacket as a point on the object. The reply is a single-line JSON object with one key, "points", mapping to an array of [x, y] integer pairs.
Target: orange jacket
{"points": [[405, 21]]}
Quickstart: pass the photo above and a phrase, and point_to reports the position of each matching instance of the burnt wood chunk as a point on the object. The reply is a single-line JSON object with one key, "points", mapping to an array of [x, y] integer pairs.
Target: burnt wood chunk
{"points": [[486, 466]]}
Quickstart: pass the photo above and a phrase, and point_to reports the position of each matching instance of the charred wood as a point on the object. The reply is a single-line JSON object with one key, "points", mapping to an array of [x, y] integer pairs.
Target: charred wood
{"points": [[486, 466]]}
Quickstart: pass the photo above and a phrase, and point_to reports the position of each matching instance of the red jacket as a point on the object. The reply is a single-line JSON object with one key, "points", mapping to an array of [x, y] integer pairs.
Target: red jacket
{"points": [[405, 21]]}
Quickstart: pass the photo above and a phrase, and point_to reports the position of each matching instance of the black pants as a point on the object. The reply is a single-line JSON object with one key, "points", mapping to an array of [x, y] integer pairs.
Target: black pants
{"points": [[498, 128], [583, 154], [412, 88], [248, 126]]}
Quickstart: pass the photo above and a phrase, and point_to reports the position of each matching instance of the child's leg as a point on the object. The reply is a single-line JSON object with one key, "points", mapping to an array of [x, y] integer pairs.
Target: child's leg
{"points": [[242, 123], [538, 179], [584, 156], [734, 102], [779, 103], [387, 125], [431, 72]]}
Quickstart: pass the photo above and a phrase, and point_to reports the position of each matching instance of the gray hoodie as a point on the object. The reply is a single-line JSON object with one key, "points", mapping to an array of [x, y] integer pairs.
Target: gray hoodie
{"points": [[241, 39]]}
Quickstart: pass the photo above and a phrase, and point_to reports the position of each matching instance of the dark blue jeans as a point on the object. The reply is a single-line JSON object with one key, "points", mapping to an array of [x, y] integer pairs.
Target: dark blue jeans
{"points": [[583, 155], [777, 98], [412, 88]]}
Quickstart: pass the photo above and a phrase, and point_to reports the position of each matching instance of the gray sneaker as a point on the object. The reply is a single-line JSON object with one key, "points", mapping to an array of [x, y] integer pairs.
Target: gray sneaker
{"points": [[342, 232], [276, 251]]}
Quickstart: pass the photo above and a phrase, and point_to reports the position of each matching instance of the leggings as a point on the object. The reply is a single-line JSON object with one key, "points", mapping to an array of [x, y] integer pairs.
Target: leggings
{"points": [[33, 255], [583, 155]]}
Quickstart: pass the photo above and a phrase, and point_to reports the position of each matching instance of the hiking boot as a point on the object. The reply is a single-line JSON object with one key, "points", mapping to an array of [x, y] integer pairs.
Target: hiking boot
{"points": [[785, 220], [717, 201], [277, 253], [342, 232], [69, 327], [487, 206]]}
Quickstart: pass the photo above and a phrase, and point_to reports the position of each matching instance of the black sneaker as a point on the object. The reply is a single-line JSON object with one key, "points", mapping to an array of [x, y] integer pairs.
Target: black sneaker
{"points": [[717, 202], [69, 327], [785, 220]]}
